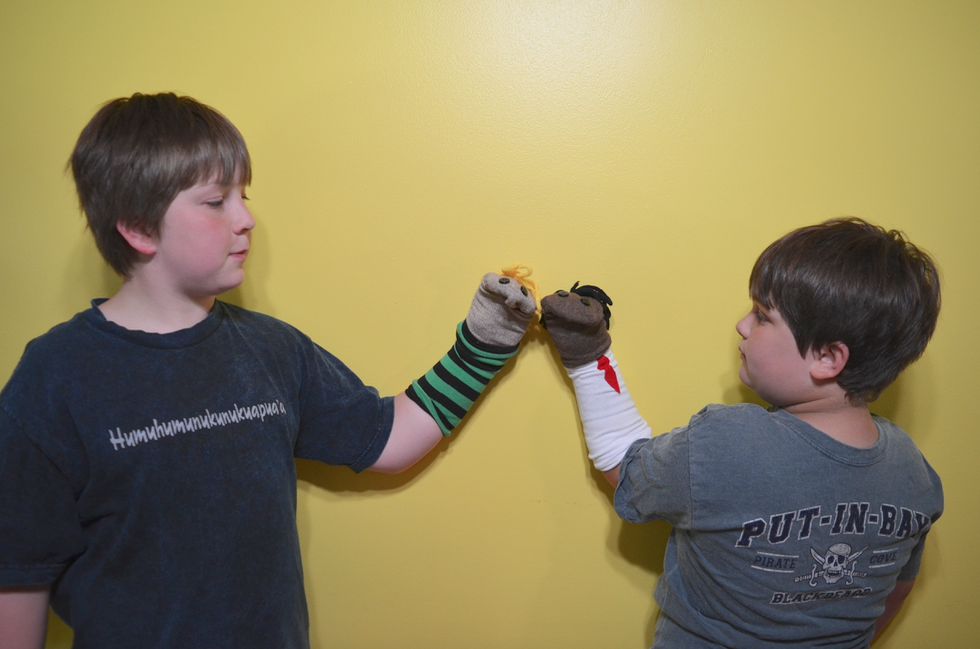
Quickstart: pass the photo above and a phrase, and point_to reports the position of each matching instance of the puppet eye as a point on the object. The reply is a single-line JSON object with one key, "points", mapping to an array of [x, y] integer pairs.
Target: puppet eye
{"points": [[586, 302], [504, 280], [523, 291], [562, 293]]}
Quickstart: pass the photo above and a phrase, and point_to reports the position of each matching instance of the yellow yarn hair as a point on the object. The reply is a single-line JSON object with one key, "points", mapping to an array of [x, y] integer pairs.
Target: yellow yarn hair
{"points": [[522, 274]]}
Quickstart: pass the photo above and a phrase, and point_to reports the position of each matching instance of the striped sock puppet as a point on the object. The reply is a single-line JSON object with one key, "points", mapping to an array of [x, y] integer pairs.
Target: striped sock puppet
{"points": [[491, 333]]}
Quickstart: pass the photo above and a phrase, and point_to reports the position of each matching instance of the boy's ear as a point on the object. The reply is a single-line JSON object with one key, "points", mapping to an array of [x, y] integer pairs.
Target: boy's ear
{"points": [[829, 361], [137, 238]]}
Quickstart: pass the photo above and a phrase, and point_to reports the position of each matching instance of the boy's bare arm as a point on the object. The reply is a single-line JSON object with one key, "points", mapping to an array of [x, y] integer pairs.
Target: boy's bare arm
{"points": [[612, 475], [413, 434], [23, 616], [435, 403], [893, 603]]}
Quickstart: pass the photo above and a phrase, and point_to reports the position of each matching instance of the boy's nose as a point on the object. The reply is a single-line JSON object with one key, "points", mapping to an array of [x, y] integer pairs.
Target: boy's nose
{"points": [[742, 326], [245, 221]]}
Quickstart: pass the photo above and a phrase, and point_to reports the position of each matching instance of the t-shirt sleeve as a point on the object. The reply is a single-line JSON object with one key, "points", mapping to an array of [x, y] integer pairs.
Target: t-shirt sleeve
{"points": [[39, 528], [655, 482], [911, 568], [343, 421]]}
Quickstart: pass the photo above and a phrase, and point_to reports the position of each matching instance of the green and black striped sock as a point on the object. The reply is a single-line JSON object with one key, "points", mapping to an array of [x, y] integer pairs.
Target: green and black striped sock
{"points": [[448, 390]]}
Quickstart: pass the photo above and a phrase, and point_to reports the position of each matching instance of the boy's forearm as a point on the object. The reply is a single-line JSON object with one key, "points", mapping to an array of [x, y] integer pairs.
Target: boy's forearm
{"points": [[612, 475], [893, 603], [413, 434], [23, 617]]}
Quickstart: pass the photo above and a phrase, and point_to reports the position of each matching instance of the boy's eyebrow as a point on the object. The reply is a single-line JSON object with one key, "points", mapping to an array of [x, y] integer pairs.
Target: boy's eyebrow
{"points": [[205, 187], [757, 300], [766, 310], [213, 182]]}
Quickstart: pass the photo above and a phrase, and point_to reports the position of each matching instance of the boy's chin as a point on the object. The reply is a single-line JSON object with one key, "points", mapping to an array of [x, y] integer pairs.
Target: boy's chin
{"points": [[744, 377], [761, 396], [232, 283]]}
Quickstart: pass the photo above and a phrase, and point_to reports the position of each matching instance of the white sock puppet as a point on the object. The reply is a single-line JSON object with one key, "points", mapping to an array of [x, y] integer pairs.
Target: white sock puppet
{"points": [[578, 322]]}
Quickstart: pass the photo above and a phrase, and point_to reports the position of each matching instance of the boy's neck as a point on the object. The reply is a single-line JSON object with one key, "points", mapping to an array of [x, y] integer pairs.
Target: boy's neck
{"points": [[846, 421], [136, 306]]}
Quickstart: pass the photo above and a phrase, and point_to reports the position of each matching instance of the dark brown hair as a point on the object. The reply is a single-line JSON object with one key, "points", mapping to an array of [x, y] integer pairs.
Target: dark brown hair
{"points": [[849, 281], [137, 153]]}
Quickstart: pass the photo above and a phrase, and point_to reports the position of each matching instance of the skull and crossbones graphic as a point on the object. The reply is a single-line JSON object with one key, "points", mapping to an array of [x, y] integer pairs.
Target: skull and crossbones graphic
{"points": [[834, 565]]}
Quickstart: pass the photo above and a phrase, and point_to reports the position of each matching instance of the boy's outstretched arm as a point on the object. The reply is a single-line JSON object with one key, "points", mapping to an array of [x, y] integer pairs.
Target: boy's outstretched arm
{"points": [[578, 322], [893, 603], [413, 434], [23, 616], [436, 402]]}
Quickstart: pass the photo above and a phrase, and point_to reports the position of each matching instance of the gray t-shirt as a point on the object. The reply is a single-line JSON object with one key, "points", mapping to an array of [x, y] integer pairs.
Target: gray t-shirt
{"points": [[151, 477], [782, 535]]}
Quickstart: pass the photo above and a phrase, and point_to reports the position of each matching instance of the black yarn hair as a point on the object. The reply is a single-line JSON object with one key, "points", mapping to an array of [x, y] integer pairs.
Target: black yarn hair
{"points": [[597, 294]]}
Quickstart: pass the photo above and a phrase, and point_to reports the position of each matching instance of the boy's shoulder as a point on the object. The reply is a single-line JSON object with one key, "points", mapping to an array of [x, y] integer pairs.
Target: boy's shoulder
{"points": [[735, 432], [732, 433], [730, 417], [59, 340], [247, 317], [48, 360], [261, 329], [726, 433]]}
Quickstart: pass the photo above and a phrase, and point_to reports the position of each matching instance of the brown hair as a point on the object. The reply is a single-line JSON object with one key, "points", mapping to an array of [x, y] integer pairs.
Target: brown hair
{"points": [[849, 281], [137, 153]]}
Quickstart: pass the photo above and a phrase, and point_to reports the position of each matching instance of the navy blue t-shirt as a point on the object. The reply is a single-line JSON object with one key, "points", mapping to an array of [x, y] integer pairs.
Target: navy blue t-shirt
{"points": [[151, 476]]}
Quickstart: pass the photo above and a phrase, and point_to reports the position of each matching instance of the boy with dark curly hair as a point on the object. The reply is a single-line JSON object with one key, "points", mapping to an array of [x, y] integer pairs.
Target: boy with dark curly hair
{"points": [[802, 524]]}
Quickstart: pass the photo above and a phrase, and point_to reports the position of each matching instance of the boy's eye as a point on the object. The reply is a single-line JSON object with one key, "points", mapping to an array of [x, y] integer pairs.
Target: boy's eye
{"points": [[244, 197], [760, 317], [215, 204]]}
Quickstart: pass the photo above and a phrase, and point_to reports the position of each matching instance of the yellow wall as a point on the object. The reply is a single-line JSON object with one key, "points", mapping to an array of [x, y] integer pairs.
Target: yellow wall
{"points": [[402, 149]]}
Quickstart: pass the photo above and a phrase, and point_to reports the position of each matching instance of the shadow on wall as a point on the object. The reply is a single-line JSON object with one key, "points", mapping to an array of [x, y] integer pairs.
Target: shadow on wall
{"points": [[59, 635], [644, 546]]}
